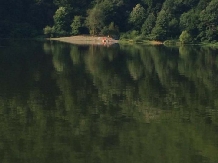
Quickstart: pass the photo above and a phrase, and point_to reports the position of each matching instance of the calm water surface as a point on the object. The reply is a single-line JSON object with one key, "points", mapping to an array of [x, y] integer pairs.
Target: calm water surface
{"points": [[62, 103]]}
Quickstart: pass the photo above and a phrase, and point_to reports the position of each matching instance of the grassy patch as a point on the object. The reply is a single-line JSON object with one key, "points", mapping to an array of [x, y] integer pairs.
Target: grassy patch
{"points": [[213, 44]]}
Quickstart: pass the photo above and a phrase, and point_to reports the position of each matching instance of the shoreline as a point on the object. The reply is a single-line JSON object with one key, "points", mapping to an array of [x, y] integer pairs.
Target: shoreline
{"points": [[86, 40], [100, 40], [104, 40]]}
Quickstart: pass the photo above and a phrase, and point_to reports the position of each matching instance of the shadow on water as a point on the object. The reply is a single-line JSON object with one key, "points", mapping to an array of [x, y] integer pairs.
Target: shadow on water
{"points": [[66, 103]]}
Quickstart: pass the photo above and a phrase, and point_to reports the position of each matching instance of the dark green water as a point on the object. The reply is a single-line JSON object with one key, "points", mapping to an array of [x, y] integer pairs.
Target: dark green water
{"points": [[61, 103]]}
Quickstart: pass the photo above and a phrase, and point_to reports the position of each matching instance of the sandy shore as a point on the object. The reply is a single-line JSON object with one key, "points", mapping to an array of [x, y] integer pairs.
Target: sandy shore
{"points": [[87, 40], [98, 40]]}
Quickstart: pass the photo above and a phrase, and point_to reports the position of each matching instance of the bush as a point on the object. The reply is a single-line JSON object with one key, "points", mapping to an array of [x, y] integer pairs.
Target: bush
{"points": [[140, 38], [49, 31], [76, 25], [170, 42], [130, 35], [185, 37]]}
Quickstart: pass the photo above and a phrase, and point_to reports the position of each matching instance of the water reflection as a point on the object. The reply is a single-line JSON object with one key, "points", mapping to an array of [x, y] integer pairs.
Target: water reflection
{"points": [[67, 103]]}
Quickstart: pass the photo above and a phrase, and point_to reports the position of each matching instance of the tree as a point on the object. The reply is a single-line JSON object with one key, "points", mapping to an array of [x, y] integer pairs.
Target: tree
{"points": [[185, 37], [113, 29], [173, 28], [108, 11], [49, 31], [63, 3], [148, 24], [153, 6], [189, 22], [76, 25], [137, 16], [208, 22], [160, 31], [61, 21], [95, 20]]}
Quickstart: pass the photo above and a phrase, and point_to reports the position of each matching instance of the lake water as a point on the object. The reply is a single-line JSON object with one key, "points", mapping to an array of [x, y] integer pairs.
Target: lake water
{"points": [[62, 103]]}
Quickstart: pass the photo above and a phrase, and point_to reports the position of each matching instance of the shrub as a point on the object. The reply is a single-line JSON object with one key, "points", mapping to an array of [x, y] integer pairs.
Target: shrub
{"points": [[49, 31], [170, 42], [76, 25], [185, 37]]}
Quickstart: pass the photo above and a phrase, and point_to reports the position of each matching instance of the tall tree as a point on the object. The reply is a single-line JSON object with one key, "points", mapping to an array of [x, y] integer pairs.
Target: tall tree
{"points": [[208, 25], [189, 21], [160, 31], [137, 16], [76, 25], [62, 21], [95, 20], [148, 24]]}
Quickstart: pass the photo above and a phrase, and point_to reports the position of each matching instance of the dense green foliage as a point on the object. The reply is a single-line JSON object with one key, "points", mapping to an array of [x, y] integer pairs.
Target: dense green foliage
{"points": [[185, 37], [153, 19]]}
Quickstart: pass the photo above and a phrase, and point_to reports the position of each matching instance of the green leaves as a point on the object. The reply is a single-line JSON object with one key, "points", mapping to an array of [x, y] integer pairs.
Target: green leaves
{"points": [[155, 19], [95, 20], [208, 22], [189, 20], [61, 21], [49, 31], [137, 16], [185, 37], [148, 24], [76, 25], [159, 32]]}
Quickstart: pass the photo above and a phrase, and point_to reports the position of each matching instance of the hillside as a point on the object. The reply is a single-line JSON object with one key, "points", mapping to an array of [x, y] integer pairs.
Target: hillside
{"points": [[189, 20]]}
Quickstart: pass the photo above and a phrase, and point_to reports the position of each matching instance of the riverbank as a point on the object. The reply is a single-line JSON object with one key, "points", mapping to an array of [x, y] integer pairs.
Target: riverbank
{"points": [[83, 40], [174, 43], [100, 40], [145, 42]]}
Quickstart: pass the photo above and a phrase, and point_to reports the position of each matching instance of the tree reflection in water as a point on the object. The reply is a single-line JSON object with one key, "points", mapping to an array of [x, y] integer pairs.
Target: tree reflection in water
{"points": [[68, 103]]}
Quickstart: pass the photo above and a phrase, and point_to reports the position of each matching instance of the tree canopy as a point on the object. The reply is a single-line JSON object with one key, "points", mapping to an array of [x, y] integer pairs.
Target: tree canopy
{"points": [[159, 19]]}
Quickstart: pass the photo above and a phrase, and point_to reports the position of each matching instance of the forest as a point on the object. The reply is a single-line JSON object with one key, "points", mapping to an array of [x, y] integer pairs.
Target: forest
{"points": [[187, 20]]}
